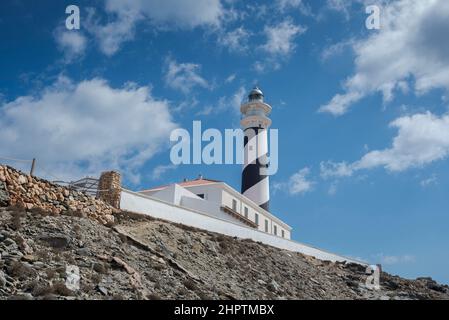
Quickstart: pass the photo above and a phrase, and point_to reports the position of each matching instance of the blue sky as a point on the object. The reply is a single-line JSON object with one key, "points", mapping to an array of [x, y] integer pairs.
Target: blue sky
{"points": [[362, 114]]}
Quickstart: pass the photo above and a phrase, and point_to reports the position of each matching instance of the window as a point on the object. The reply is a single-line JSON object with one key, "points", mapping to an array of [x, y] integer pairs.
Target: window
{"points": [[234, 204], [275, 230], [201, 195], [256, 218], [246, 212], [283, 234], [266, 225]]}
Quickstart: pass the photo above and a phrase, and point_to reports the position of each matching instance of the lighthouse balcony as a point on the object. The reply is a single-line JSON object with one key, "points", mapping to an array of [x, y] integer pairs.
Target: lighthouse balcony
{"points": [[256, 106]]}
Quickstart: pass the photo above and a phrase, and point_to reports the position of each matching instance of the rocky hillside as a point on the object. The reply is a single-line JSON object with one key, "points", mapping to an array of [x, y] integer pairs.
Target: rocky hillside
{"points": [[142, 258]]}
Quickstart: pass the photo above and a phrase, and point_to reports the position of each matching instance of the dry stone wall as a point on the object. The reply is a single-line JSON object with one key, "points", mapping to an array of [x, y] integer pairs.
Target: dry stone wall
{"points": [[17, 188]]}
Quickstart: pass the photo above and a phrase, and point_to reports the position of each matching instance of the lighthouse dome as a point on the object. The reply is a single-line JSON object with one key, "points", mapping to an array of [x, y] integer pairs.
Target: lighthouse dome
{"points": [[256, 94]]}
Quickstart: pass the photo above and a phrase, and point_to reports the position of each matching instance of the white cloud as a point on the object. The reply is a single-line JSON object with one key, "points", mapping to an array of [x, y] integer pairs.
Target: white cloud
{"points": [[230, 78], [335, 49], [340, 103], [75, 129], [332, 189], [279, 45], [384, 259], [181, 13], [159, 171], [342, 6], [236, 40], [183, 76], [227, 104], [433, 180], [208, 110], [392, 259], [73, 43], [280, 37], [261, 66], [112, 35], [331, 169], [388, 59], [421, 140], [237, 99], [298, 184], [160, 14], [189, 103], [285, 5]]}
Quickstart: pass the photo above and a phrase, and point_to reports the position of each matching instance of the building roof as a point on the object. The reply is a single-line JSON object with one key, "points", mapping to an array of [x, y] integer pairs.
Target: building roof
{"points": [[191, 183]]}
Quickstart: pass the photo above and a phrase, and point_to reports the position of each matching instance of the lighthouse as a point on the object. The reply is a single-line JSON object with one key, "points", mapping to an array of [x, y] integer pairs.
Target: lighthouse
{"points": [[255, 123]]}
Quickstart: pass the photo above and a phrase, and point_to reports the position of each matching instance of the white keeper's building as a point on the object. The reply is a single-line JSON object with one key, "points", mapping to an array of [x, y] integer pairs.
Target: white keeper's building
{"points": [[219, 200]]}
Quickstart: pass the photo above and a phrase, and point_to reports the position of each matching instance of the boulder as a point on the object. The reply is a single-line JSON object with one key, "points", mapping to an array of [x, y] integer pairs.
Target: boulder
{"points": [[274, 286], [102, 290], [22, 179]]}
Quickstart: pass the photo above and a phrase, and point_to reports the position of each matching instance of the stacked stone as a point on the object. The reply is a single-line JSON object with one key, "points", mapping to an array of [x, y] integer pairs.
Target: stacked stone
{"points": [[109, 188], [31, 192]]}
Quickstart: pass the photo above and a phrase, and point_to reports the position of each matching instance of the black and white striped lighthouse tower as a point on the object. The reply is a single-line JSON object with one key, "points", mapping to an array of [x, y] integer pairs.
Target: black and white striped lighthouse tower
{"points": [[255, 123]]}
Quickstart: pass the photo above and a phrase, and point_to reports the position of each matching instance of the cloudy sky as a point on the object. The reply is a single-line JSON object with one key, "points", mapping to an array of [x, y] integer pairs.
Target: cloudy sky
{"points": [[362, 114]]}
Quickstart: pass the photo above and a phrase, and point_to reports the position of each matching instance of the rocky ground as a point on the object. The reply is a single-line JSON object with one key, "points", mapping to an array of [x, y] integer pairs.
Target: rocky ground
{"points": [[142, 258]]}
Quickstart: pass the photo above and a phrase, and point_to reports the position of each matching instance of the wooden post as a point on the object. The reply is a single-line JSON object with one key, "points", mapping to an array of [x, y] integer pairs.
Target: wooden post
{"points": [[33, 164]]}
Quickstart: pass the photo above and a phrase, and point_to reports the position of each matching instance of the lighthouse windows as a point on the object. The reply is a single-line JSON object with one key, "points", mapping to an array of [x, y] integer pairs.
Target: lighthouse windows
{"points": [[246, 212], [256, 218], [275, 228], [266, 225], [234, 204]]}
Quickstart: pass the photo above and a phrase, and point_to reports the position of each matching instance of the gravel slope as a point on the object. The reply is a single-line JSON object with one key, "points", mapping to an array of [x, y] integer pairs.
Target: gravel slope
{"points": [[142, 258]]}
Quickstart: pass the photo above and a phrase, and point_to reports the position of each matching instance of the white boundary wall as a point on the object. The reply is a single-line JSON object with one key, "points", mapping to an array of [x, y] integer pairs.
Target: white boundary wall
{"points": [[138, 203]]}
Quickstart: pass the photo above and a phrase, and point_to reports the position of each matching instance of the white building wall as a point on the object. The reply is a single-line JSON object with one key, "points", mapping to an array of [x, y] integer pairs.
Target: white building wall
{"points": [[136, 202], [174, 194], [227, 201], [210, 191], [208, 208], [216, 194]]}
